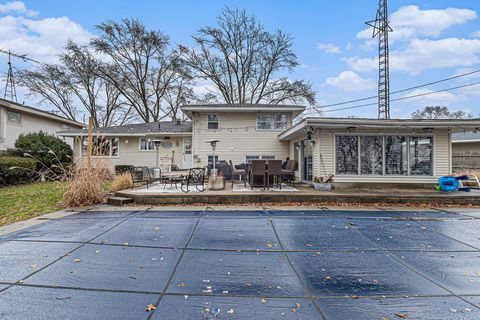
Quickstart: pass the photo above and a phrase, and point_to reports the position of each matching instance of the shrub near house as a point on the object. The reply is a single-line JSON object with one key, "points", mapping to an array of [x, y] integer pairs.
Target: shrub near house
{"points": [[16, 170]]}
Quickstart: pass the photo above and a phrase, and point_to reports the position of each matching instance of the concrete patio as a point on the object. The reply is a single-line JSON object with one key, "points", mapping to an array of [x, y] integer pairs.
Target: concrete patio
{"points": [[260, 263], [300, 193]]}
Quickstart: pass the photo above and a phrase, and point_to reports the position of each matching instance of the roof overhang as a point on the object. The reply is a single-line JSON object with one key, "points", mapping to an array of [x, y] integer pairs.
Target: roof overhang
{"points": [[40, 113], [354, 123], [190, 109], [109, 134], [466, 141]]}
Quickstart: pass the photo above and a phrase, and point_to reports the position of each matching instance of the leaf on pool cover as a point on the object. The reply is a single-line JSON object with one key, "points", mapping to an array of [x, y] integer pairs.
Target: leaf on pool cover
{"points": [[76, 260], [181, 284], [269, 245], [230, 311], [309, 245], [401, 315], [354, 297], [150, 307], [263, 300]]}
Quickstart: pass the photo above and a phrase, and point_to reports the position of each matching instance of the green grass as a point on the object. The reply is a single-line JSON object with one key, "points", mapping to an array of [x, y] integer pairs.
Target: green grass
{"points": [[29, 200], [18, 203]]}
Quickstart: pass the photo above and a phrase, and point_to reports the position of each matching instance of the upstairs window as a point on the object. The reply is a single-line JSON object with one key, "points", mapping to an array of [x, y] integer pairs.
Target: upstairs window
{"points": [[212, 120], [272, 122], [14, 117]]}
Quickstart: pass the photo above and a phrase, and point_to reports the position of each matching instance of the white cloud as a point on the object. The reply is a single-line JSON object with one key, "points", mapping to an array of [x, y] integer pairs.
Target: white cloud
{"points": [[42, 39], [475, 34], [350, 81], [410, 21], [426, 54], [17, 7], [328, 48], [440, 98]]}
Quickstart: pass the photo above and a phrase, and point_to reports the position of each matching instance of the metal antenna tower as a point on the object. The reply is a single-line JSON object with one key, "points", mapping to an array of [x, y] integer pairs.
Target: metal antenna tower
{"points": [[10, 92], [381, 28]]}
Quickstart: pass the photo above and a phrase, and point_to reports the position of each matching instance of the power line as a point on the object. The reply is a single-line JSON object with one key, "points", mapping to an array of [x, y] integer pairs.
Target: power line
{"points": [[23, 57], [399, 91], [404, 98]]}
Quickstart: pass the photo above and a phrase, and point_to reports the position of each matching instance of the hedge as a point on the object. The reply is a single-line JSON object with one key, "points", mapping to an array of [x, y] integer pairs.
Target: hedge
{"points": [[23, 172]]}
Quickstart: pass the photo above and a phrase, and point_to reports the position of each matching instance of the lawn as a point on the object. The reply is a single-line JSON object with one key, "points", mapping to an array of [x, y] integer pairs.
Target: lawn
{"points": [[26, 201]]}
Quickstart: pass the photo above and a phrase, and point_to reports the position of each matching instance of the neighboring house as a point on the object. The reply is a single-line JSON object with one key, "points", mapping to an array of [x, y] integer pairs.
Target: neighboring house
{"points": [[466, 150], [16, 119], [356, 151]]}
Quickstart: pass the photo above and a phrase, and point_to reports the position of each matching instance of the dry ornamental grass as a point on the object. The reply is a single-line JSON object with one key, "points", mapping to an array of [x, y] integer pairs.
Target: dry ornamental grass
{"points": [[122, 182]]}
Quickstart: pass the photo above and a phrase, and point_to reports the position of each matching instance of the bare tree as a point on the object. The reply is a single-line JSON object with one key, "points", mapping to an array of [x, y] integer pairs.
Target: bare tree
{"points": [[143, 67], [244, 61], [438, 112], [48, 84]]}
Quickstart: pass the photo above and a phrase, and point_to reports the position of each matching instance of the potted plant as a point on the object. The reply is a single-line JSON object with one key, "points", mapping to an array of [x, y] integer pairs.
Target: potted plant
{"points": [[323, 183]]}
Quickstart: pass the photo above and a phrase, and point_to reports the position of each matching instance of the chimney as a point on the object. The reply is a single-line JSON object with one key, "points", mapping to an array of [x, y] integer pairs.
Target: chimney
{"points": [[178, 122]]}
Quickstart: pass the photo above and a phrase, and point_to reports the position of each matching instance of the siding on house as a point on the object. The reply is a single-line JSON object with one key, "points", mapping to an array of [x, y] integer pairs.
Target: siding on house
{"points": [[325, 147], [466, 155], [238, 138], [30, 123], [130, 154]]}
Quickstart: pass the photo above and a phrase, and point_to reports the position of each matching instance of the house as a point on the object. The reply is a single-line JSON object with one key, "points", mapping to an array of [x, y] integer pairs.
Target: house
{"points": [[466, 150], [359, 152], [16, 119]]}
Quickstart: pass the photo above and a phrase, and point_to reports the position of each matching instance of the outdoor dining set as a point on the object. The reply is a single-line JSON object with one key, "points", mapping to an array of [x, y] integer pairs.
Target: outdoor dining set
{"points": [[260, 173]]}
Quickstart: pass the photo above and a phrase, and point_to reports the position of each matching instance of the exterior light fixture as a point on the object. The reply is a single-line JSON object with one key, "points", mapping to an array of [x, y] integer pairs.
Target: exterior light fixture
{"points": [[428, 130]]}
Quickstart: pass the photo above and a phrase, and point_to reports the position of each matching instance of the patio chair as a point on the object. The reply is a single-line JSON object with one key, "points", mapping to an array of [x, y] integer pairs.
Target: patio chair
{"points": [[140, 174], [258, 170], [289, 171], [195, 177], [238, 172], [274, 170]]}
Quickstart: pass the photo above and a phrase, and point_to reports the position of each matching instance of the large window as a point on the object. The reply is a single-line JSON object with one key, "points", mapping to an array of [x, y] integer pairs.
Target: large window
{"points": [[272, 122], [210, 160], [384, 155], [212, 120], [146, 145], [14, 117], [101, 147]]}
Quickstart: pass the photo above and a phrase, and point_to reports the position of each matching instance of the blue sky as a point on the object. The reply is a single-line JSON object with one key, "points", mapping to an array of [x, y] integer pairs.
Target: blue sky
{"points": [[432, 40]]}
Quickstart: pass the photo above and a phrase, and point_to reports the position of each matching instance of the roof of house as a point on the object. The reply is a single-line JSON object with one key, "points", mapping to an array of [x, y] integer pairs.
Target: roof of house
{"points": [[138, 129], [465, 137], [354, 123], [188, 109], [38, 112]]}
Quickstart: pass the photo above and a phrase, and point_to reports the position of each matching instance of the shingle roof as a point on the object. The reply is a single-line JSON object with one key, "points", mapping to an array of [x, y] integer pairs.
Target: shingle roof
{"points": [[139, 128], [466, 136]]}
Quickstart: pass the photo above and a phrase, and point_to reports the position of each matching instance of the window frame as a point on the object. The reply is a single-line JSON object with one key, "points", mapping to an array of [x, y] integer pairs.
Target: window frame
{"points": [[84, 153], [19, 122], [272, 121], [148, 142], [211, 155], [384, 135], [217, 121]]}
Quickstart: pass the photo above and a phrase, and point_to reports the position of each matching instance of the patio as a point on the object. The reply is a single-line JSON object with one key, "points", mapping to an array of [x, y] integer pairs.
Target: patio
{"points": [[259, 264]]}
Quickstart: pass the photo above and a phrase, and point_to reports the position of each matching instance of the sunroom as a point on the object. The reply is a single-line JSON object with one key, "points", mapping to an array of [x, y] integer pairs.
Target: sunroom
{"points": [[365, 152]]}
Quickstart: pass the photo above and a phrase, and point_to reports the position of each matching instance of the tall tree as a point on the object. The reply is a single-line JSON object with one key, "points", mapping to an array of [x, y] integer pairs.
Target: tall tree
{"points": [[74, 84], [246, 63], [439, 112], [142, 66]]}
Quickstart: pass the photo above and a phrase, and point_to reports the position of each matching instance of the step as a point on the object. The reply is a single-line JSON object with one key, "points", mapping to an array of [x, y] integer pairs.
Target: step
{"points": [[119, 201]]}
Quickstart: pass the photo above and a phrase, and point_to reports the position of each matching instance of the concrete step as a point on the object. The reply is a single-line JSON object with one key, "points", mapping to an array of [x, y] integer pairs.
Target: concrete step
{"points": [[119, 201]]}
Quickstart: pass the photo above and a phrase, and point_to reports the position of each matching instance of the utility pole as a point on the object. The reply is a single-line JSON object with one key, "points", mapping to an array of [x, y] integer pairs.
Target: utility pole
{"points": [[381, 28]]}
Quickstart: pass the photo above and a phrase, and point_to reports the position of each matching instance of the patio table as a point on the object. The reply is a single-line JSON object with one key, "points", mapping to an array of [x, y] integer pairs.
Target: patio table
{"points": [[173, 177]]}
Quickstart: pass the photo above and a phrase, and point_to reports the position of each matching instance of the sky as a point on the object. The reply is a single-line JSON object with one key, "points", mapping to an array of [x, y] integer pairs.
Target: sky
{"points": [[432, 40]]}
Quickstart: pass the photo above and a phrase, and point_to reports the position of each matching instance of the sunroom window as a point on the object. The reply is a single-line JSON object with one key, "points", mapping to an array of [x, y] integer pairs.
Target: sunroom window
{"points": [[384, 155]]}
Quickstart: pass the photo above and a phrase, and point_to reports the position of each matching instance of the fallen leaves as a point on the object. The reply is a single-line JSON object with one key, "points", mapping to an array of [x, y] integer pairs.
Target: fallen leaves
{"points": [[76, 260], [181, 284], [263, 300], [402, 315], [150, 307]]}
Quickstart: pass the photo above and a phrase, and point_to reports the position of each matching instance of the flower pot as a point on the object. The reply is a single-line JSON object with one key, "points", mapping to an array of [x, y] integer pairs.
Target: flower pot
{"points": [[322, 186]]}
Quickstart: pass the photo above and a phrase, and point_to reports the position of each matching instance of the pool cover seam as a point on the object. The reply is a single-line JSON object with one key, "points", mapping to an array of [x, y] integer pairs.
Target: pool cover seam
{"points": [[411, 268], [162, 294], [302, 282], [194, 294], [71, 251], [438, 232]]}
